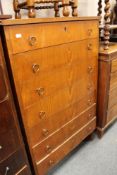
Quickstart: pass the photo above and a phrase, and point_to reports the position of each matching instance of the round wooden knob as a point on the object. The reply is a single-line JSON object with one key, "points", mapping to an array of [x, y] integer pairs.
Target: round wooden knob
{"points": [[89, 46], [89, 102], [90, 32], [32, 40], [51, 162], [42, 114], [35, 68], [90, 69], [48, 149], [45, 132], [40, 91]]}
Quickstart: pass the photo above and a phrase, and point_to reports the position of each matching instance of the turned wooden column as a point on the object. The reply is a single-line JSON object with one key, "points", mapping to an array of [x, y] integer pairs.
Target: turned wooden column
{"points": [[100, 10], [65, 7], [107, 24], [56, 8], [75, 8], [31, 9], [16, 9]]}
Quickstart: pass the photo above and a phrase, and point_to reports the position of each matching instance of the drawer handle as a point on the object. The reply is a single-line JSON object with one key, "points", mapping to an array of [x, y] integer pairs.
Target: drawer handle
{"points": [[32, 40], [7, 170], [35, 68], [89, 102], [90, 32], [48, 149], [42, 114], [1, 147], [51, 162], [90, 46], [90, 69], [45, 132], [40, 91]]}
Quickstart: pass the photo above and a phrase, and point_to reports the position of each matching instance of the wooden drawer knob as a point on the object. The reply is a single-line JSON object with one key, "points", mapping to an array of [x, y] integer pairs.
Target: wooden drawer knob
{"points": [[42, 114], [51, 162], [90, 69], [89, 46], [7, 170], [89, 102], [48, 149], [90, 32], [45, 132], [35, 68], [32, 40], [40, 91]]}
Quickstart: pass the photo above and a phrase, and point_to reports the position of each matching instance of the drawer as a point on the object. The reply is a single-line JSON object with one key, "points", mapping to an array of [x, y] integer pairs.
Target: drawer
{"points": [[3, 89], [39, 128], [36, 36], [52, 159], [63, 133], [112, 113], [45, 60], [14, 164], [114, 66], [8, 144], [112, 98]]}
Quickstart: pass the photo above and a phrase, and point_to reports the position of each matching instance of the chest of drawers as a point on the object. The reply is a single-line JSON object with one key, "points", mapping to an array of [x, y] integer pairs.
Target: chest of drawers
{"points": [[53, 65], [13, 159], [107, 88]]}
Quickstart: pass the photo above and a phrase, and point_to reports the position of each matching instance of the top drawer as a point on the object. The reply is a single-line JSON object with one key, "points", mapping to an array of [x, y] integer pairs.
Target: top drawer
{"points": [[34, 36]]}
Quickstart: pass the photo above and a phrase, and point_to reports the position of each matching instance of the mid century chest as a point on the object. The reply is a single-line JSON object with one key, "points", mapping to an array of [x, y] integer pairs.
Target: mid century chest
{"points": [[53, 67], [13, 159]]}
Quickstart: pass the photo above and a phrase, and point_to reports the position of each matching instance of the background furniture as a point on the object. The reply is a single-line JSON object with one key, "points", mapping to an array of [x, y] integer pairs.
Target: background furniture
{"points": [[31, 6], [13, 159], [55, 83], [107, 80]]}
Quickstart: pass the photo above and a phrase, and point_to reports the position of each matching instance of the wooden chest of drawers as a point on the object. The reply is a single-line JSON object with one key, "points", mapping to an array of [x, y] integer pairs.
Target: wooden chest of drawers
{"points": [[13, 159], [53, 64], [107, 88]]}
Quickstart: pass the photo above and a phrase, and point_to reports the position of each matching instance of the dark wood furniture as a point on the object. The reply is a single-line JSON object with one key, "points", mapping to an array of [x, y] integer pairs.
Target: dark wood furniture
{"points": [[55, 81], [107, 88], [106, 107], [13, 158], [32, 5]]}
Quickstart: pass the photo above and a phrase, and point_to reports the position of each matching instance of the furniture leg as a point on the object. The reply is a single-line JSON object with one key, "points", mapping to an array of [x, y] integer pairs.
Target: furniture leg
{"points": [[65, 8]]}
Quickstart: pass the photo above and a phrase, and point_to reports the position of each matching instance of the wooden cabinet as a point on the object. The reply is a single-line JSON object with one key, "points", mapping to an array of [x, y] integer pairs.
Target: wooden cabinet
{"points": [[107, 88], [13, 159], [53, 64]]}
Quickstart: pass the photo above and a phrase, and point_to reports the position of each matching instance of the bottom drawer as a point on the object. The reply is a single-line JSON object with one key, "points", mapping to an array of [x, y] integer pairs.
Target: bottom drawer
{"points": [[45, 164], [15, 164]]}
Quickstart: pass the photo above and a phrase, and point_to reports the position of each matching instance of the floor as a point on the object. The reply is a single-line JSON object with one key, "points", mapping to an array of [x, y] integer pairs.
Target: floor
{"points": [[97, 157]]}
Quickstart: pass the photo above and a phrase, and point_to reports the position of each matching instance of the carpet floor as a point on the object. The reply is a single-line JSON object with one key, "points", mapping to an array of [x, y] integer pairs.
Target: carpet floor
{"points": [[96, 157]]}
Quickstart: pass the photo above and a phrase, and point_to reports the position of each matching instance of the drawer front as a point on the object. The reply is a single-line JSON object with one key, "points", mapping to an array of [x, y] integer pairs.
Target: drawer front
{"points": [[114, 66], [112, 98], [47, 146], [3, 89], [39, 128], [35, 36], [45, 164], [113, 80], [8, 144], [9, 139], [13, 164]]}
